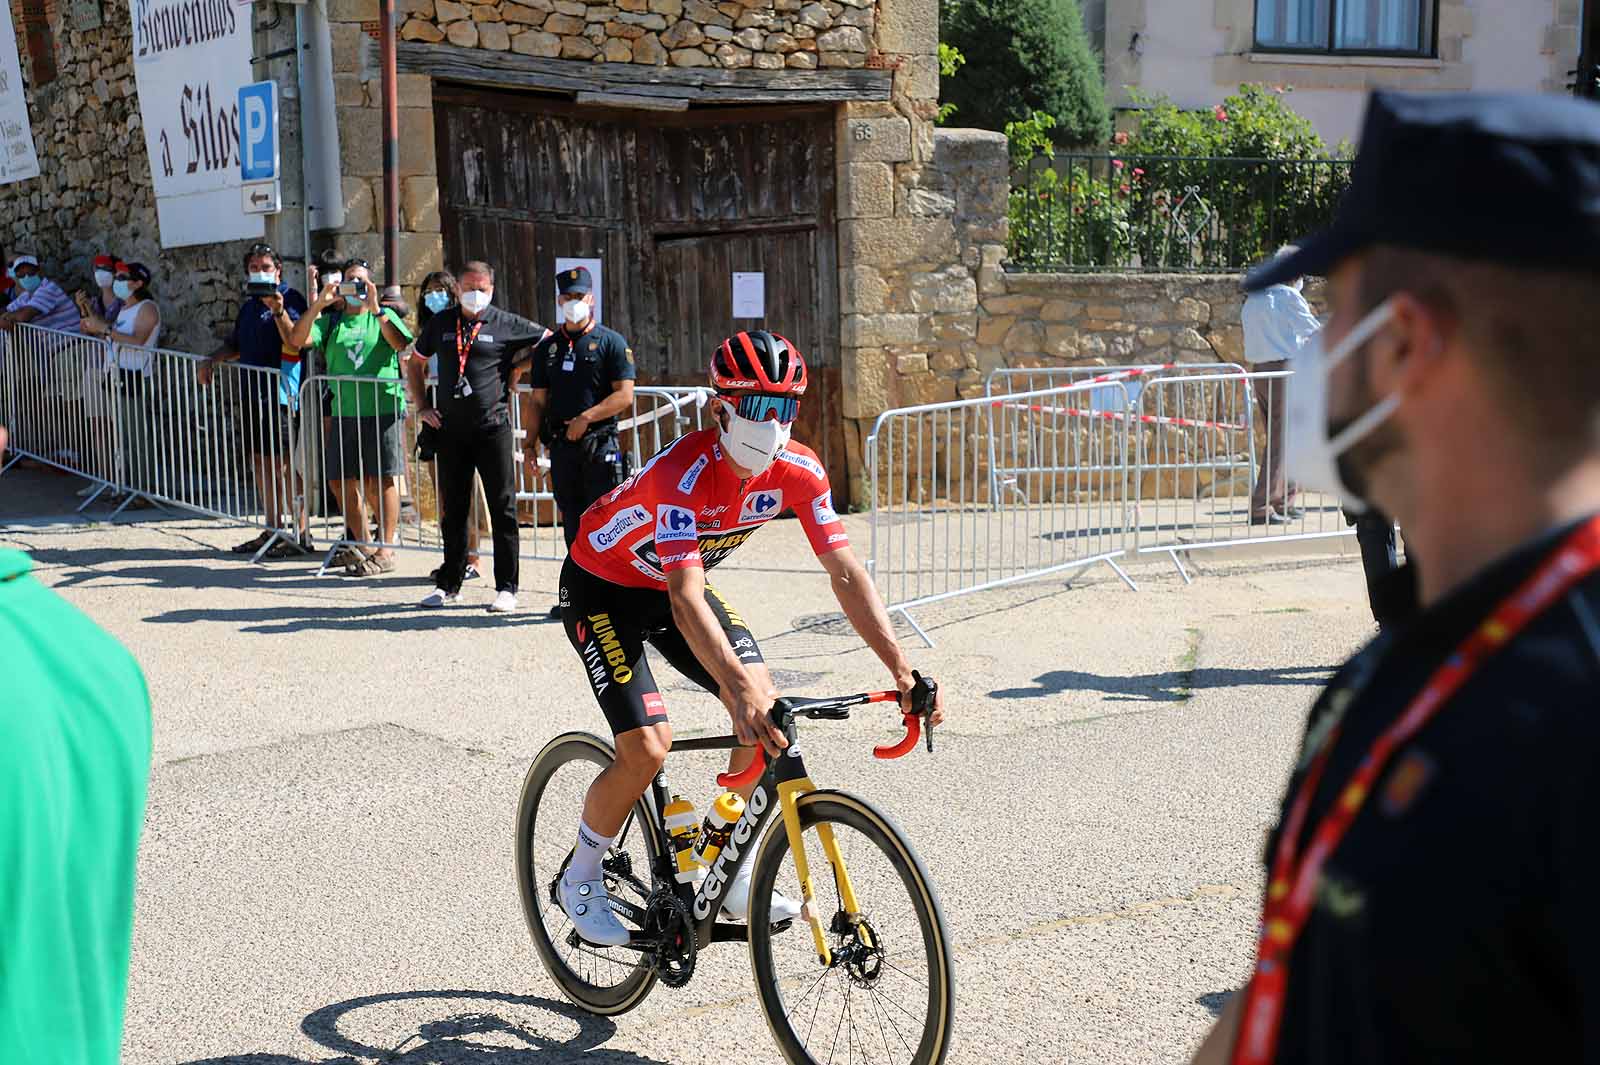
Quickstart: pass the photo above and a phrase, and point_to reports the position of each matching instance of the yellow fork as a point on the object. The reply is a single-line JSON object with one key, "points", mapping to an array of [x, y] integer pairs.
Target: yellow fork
{"points": [[789, 793]]}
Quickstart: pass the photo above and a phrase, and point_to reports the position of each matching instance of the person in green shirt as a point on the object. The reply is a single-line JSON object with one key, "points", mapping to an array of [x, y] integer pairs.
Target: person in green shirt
{"points": [[363, 453], [74, 764]]}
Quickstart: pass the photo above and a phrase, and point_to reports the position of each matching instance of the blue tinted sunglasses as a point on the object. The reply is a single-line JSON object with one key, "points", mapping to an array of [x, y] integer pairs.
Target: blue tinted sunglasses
{"points": [[759, 408]]}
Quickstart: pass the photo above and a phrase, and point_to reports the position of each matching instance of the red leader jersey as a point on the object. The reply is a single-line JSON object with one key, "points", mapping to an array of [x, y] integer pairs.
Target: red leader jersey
{"points": [[686, 508]]}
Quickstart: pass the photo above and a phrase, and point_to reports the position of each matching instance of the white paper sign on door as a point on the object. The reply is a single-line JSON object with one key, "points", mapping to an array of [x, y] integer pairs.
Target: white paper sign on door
{"points": [[749, 295], [18, 160], [595, 276], [189, 59]]}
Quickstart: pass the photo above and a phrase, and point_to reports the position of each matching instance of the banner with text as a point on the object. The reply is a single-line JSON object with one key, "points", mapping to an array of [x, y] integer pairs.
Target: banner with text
{"points": [[189, 59], [18, 159]]}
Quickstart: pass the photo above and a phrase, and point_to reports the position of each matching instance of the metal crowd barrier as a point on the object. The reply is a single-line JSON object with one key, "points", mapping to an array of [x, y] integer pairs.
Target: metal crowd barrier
{"points": [[943, 527], [60, 401], [1209, 454]]}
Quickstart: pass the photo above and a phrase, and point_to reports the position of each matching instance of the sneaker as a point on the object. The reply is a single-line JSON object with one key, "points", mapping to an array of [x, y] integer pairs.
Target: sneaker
{"points": [[439, 597], [588, 907], [736, 903], [504, 603]]}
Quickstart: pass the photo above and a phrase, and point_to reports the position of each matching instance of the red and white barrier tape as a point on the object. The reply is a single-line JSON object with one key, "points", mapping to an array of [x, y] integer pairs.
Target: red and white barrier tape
{"points": [[1144, 419]]}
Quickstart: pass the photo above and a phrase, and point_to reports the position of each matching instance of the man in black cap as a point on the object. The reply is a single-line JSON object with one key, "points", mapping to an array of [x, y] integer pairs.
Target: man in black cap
{"points": [[1430, 880], [582, 379]]}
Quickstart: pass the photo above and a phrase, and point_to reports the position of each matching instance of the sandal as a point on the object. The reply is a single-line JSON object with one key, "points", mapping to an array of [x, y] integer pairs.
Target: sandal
{"points": [[250, 547], [371, 566], [345, 557]]}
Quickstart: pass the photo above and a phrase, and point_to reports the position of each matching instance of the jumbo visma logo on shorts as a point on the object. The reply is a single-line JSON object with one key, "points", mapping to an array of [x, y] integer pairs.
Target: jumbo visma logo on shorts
{"points": [[606, 648]]}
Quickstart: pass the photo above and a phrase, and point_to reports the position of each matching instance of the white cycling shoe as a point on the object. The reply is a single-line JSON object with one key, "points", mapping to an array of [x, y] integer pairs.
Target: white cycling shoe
{"points": [[588, 907], [736, 903]]}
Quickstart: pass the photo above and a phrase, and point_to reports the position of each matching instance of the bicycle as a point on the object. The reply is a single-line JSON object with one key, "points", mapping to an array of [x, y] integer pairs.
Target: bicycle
{"points": [[892, 976]]}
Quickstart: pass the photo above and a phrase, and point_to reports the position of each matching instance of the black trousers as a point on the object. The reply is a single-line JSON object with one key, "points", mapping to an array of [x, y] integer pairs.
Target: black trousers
{"points": [[580, 472], [488, 451], [1375, 534]]}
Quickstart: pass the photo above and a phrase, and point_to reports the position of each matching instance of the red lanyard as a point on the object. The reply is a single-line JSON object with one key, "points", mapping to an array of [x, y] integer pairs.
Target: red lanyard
{"points": [[464, 346], [1296, 878]]}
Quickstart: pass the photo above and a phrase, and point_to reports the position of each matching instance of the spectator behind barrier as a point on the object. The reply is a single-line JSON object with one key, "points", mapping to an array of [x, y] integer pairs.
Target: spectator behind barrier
{"points": [[41, 301], [440, 292], [136, 328], [258, 339], [358, 338]]}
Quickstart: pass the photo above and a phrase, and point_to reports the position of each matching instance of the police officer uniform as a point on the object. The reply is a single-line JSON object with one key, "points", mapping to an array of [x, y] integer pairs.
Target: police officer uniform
{"points": [[1431, 877], [578, 370]]}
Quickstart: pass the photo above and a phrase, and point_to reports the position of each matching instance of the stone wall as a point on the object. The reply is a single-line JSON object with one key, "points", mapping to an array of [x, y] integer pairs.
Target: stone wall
{"points": [[358, 90], [94, 192], [764, 34]]}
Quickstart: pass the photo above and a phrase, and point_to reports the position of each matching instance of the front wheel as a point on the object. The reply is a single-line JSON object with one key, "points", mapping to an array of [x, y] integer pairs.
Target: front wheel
{"points": [[888, 994], [603, 980]]}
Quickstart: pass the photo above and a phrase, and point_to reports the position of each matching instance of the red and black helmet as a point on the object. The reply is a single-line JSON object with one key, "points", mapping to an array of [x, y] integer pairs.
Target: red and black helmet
{"points": [[758, 361]]}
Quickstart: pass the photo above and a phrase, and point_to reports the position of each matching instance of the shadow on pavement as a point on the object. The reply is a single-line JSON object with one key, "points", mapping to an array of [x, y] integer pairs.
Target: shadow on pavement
{"points": [[1215, 1000], [365, 617], [1174, 686], [496, 1029]]}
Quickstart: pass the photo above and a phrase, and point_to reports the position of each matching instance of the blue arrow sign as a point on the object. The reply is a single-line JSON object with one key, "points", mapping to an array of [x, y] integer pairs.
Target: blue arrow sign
{"points": [[258, 131]]}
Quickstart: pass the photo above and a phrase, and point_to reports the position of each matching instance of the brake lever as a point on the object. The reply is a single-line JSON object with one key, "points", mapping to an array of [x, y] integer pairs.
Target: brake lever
{"points": [[923, 699]]}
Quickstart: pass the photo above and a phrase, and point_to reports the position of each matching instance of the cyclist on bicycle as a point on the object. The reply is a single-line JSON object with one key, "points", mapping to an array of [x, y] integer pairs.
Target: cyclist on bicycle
{"points": [[637, 573]]}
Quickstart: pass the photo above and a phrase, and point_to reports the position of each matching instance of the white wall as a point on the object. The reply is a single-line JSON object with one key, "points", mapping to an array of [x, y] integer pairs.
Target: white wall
{"points": [[1177, 46], [1505, 48]]}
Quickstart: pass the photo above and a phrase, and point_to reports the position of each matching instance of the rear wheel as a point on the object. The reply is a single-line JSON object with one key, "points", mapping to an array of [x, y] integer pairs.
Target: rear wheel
{"points": [[604, 980], [888, 994]]}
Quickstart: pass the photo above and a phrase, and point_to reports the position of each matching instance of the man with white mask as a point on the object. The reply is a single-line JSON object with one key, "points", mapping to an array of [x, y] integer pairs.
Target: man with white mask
{"points": [[1430, 879], [1278, 323], [479, 348], [582, 378]]}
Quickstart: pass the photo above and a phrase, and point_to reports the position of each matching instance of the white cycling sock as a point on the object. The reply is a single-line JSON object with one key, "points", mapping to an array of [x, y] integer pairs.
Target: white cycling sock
{"points": [[586, 856]]}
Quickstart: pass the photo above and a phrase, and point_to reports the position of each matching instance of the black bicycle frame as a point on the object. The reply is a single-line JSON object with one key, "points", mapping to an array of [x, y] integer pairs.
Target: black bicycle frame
{"points": [[762, 804]]}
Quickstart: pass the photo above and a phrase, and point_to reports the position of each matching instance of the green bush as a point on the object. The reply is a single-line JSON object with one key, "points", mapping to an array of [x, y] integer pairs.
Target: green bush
{"points": [[1024, 56], [1189, 190]]}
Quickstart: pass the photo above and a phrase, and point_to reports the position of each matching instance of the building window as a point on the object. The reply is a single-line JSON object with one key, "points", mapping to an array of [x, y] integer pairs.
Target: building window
{"points": [[1354, 27]]}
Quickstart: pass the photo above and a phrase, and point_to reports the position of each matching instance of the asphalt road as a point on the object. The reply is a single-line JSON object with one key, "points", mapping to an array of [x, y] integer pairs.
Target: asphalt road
{"points": [[325, 874]]}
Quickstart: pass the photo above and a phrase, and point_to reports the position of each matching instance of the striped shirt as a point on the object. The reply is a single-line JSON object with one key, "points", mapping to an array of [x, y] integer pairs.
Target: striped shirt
{"points": [[55, 307]]}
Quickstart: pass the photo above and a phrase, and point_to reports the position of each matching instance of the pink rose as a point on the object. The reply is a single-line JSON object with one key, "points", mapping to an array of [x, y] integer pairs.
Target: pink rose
{"points": [[1120, 138], [1222, 115]]}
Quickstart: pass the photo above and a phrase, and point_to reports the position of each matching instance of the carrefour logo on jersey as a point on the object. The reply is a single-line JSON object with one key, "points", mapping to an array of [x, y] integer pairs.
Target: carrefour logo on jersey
{"points": [[674, 524], [614, 530], [761, 506], [686, 485], [822, 509]]}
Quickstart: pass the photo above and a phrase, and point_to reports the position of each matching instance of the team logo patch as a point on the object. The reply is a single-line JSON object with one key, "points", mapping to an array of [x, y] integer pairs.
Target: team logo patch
{"points": [[800, 460], [822, 509], [761, 506], [692, 475], [631, 518], [654, 705], [653, 574], [674, 524], [1406, 781]]}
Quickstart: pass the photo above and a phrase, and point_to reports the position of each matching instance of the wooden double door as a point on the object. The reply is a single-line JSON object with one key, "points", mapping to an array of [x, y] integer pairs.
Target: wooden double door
{"points": [[673, 204]]}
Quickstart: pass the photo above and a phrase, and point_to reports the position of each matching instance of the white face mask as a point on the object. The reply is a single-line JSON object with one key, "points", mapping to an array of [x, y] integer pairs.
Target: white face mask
{"points": [[753, 445], [576, 312], [474, 301], [103, 278], [1311, 457]]}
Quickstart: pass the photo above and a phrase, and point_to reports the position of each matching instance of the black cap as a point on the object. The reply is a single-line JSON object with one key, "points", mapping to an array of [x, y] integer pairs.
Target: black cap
{"points": [[137, 271], [1509, 178], [575, 282]]}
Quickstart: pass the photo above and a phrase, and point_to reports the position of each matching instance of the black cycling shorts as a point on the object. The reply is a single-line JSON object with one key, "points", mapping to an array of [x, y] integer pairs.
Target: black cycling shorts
{"points": [[609, 625]]}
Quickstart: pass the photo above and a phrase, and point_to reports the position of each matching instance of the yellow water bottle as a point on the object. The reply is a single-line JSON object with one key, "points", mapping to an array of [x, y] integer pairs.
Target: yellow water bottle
{"points": [[684, 828], [724, 814]]}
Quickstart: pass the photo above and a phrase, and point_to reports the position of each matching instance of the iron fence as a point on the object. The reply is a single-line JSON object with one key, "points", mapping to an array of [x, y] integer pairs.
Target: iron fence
{"points": [[1163, 213]]}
